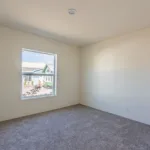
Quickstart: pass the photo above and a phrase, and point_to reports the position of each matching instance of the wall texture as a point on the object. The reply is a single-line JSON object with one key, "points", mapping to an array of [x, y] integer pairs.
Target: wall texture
{"points": [[11, 44], [115, 75]]}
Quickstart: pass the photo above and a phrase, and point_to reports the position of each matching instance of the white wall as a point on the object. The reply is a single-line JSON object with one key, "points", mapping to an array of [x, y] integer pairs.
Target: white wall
{"points": [[115, 76], [11, 44]]}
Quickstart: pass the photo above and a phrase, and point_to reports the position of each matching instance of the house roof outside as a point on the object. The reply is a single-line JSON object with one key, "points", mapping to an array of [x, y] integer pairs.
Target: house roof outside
{"points": [[38, 71], [36, 67], [33, 65], [50, 67]]}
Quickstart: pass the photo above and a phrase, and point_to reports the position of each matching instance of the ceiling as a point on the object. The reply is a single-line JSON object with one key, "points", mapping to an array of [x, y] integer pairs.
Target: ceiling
{"points": [[94, 21]]}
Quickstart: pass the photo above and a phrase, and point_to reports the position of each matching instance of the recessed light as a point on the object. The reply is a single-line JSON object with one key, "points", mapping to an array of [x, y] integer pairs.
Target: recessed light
{"points": [[72, 11]]}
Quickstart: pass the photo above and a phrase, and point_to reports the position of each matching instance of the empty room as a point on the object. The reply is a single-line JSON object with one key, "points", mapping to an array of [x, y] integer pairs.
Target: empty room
{"points": [[75, 74]]}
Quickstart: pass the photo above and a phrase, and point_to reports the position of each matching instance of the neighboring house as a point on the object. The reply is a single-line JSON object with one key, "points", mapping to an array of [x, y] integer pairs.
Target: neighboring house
{"points": [[48, 69], [27, 66], [35, 68]]}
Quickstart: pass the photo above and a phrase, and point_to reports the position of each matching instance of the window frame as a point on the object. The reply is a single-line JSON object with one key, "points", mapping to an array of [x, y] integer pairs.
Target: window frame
{"points": [[54, 75]]}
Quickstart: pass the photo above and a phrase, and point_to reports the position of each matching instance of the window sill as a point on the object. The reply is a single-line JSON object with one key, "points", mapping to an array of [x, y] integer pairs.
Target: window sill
{"points": [[36, 97]]}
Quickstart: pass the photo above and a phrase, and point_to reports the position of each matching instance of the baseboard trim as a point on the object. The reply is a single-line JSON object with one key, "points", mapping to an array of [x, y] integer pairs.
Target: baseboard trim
{"points": [[34, 114]]}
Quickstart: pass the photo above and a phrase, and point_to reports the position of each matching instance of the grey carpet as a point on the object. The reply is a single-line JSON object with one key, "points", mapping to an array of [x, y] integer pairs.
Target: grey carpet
{"points": [[74, 128]]}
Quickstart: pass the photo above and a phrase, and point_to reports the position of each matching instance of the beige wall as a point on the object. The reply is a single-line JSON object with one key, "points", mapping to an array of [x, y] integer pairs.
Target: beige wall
{"points": [[115, 76], [11, 44]]}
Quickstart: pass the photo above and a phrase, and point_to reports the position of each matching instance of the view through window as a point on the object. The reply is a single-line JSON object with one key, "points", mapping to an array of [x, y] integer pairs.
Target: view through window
{"points": [[38, 74]]}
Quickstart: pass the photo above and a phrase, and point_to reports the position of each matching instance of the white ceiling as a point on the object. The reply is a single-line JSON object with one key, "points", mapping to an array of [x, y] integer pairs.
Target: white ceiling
{"points": [[95, 20]]}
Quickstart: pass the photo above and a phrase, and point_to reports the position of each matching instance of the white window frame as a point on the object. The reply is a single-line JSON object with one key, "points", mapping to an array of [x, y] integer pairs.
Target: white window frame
{"points": [[54, 75]]}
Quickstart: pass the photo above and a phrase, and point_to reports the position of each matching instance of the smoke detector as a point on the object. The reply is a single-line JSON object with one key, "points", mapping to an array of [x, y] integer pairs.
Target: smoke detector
{"points": [[72, 11]]}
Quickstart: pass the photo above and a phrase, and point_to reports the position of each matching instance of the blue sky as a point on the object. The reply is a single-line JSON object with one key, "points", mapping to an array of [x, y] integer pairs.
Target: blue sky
{"points": [[28, 56]]}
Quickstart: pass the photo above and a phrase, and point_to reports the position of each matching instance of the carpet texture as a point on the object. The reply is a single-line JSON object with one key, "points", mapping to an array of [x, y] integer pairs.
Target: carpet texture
{"points": [[74, 128]]}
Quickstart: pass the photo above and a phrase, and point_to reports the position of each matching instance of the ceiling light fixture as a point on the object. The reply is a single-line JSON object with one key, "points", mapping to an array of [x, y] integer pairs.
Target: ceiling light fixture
{"points": [[72, 11]]}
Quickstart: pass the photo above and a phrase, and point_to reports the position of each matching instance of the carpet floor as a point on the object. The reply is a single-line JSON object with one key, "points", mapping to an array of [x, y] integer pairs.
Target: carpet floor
{"points": [[74, 128]]}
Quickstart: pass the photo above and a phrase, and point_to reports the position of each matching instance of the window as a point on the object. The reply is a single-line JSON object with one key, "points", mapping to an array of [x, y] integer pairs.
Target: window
{"points": [[38, 74]]}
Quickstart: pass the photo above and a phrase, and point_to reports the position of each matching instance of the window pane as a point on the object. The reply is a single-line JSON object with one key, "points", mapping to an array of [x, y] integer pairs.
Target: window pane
{"points": [[37, 86], [38, 74]]}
